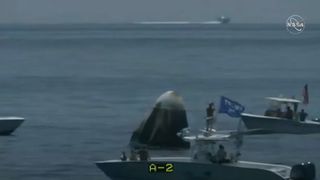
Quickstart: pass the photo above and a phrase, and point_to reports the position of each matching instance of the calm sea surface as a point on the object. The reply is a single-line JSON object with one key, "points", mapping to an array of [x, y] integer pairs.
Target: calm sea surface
{"points": [[83, 89]]}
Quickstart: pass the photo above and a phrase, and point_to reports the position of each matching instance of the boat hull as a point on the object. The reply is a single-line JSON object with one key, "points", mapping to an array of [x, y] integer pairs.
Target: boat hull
{"points": [[9, 124], [279, 125], [139, 170]]}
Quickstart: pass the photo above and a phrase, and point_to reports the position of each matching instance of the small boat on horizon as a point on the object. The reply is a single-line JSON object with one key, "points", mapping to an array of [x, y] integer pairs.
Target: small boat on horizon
{"points": [[224, 20], [220, 20], [9, 124]]}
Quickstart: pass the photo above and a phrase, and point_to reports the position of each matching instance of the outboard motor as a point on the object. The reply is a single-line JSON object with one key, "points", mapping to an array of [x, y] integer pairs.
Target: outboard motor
{"points": [[303, 171]]}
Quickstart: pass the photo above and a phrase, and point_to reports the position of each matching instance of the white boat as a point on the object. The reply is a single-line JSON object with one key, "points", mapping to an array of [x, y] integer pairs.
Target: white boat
{"points": [[220, 20], [9, 124], [273, 122], [201, 165], [224, 20]]}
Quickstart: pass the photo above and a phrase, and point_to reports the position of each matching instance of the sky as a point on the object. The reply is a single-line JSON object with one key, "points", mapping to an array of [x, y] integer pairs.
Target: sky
{"points": [[113, 11]]}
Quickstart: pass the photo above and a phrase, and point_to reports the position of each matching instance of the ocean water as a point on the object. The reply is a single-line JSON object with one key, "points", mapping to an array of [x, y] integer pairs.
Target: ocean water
{"points": [[83, 89]]}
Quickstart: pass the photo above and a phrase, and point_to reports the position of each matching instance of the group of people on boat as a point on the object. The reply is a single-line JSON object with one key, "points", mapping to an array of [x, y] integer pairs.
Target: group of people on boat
{"points": [[219, 157], [288, 114], [142, 155]]}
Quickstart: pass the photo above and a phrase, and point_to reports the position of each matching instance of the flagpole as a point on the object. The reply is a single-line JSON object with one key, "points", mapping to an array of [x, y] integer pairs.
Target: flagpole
{"points": [[305, 94], [239, 125]]}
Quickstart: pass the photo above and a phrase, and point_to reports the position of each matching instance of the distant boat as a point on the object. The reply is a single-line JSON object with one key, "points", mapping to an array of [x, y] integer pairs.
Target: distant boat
{"points": [[220, 20], [224, 20], [9, 124], [274, 122], [163, 22]]}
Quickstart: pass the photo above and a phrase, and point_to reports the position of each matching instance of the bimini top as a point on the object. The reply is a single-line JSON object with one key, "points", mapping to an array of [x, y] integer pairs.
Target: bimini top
{"points": [[283, 100]]}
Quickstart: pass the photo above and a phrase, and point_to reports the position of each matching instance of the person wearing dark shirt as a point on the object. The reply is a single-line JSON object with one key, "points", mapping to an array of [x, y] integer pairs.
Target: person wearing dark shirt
{"points": [[221, 154], [289, 113], [279, 113], [303, 115], [209, 119], [144, 154], [123, 156], [133, 156]]}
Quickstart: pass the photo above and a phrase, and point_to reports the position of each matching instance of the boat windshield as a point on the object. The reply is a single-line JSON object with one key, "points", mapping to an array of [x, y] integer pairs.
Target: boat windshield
{"points": [[216, 151]]}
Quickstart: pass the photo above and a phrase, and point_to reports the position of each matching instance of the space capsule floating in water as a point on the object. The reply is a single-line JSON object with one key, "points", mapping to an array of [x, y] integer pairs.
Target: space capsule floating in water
{"points": [[160, 128]]}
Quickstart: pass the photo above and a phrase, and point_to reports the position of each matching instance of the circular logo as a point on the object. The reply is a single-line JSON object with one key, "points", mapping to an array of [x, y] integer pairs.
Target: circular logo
{"points": [[295, 24]]}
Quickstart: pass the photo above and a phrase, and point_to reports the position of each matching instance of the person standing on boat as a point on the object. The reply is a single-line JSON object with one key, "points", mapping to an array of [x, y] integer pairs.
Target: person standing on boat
{"points": [[221, 154], [279, 113], [303, 115], [144, 154], [210, 118], [289, 113], [123, 156], [133, 156]]}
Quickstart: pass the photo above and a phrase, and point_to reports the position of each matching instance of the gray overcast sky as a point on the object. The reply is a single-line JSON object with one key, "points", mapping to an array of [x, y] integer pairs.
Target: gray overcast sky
{"points": [[104, 11]]}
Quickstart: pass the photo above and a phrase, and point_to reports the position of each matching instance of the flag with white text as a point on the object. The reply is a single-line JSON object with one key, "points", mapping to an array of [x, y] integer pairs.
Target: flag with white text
{"points": [[230, 107]]}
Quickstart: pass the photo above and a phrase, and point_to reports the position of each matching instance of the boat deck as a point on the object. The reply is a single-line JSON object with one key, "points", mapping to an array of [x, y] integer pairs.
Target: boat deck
{"points": [[282, 170]]}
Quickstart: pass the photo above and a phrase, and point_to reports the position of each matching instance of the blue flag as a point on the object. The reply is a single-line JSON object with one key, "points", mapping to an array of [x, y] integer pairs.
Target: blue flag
{"points": [[230, 107]]}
